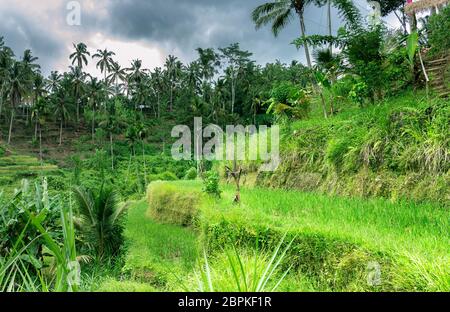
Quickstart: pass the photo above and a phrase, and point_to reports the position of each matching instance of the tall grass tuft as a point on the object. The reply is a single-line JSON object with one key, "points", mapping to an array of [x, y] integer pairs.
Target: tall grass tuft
{"points": [[241, 272]]}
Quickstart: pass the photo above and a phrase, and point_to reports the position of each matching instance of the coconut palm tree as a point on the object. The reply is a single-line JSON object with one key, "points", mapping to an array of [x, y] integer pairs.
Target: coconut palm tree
{"points": [[112, 124], [208, 61], [38, 92], [173, 69], [28, 61], [279, 13], [105, 61], [53, 81], [61, 101], [78, 78], [157, 83], [18, 85], [116, 74], [6, 61], [95, 94], [80, 55], [100, 220]]}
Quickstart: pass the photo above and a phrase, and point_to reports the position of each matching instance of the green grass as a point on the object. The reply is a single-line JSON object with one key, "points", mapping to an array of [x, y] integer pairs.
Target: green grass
{"points": [[337, 236], [165, 257], [406, 226], [157, 254]]}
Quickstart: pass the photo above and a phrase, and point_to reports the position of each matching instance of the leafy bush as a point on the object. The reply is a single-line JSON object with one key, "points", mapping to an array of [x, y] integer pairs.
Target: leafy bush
{"points": [[36, 254], [169, 204], [100, 220], [191, 174], [167, 176], [288, 100], [211, 183], [438, 27]]}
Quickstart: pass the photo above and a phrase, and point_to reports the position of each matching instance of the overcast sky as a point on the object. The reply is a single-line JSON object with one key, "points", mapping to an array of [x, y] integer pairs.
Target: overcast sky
{"points": [[149, 29]]}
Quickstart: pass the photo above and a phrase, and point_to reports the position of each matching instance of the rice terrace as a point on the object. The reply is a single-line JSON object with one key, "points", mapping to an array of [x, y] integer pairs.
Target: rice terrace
{"points": [[260, 146]]}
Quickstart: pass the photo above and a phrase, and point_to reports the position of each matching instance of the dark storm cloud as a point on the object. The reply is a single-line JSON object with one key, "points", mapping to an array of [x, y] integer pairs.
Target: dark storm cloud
{"points": [[172, 26], [183, 25], [20, 33]]}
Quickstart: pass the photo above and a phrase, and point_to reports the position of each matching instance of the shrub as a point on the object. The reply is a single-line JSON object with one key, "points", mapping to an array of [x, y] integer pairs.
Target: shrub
{"points": [[100, 221], [211, 183], [191, 174], [168, 176], [170, 204]]}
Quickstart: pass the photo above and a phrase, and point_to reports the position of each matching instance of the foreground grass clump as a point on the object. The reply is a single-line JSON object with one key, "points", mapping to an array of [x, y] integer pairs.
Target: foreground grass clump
{"points": [[337, 241]]}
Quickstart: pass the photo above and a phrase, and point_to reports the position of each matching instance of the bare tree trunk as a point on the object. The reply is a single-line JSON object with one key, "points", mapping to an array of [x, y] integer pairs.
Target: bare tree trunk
{"points": [[330, 30], [93, 124], [303, 31], [159, 106], [233, 94], [36, 127], [40, 143], [60, 131], [112, 150], [145, 165], [10, 125], [324, 105]]}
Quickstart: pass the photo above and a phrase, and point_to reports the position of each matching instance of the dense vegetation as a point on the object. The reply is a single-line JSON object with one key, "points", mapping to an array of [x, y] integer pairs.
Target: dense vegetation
{"points": [[363, 182]]}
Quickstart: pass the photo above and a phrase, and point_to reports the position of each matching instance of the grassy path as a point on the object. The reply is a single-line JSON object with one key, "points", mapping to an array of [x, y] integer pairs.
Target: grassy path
{"points": [[158, 255]]}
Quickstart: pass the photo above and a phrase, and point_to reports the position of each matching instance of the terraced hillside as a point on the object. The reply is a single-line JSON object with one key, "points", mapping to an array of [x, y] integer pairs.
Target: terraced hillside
{"points": [[14, 167]]}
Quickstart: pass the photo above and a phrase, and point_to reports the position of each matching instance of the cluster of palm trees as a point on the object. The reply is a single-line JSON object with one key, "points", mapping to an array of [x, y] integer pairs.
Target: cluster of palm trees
{"points": [[219, 84]]}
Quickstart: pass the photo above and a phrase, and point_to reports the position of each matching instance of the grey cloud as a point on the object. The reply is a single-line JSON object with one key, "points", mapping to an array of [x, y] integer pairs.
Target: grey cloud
{"points": [[175, 26], [21, 33]]}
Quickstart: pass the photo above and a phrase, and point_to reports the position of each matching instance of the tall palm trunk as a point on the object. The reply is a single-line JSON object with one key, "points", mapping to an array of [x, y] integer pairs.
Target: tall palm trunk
{"points": [[303, 31], [60, 131], [93, 123], [112, 149], [11, 125], [36, 126], [40, 143], [330, 30], [233, 93], [159, 106], [145, 165]]}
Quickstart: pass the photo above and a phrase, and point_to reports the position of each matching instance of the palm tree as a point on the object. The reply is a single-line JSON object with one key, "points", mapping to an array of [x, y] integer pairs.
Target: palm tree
{"points": [[77, 77], [111, 124], [18, 86], [38, 114], [61, 101], [80, 55], [95, 95], [105, 61], [279, 13], [53, 81], [157, 83], [28, 61], [100, 220], [38, 92], [173, 69], [208, 61], [117, 74], [6, 61], [136, 73]]}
